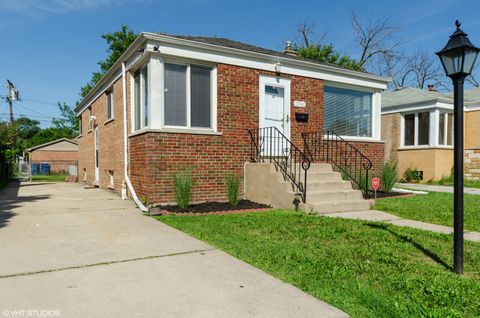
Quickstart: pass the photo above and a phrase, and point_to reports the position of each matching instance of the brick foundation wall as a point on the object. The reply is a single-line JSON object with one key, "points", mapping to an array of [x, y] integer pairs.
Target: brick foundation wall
{"points": [[472, 164], [375, 151]]}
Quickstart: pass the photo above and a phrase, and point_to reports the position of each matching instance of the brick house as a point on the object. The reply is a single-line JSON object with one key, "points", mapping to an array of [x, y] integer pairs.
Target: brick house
{"points": [[417, 127], [60, 154], [188, 102]]}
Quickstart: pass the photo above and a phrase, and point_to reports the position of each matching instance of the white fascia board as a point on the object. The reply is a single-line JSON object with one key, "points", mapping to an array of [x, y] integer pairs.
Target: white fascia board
{"points": [[415, 107], [218, 54], [109, 77], [266, 63]]}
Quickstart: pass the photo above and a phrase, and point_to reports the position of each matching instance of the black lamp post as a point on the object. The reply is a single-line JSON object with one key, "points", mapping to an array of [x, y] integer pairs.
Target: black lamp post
{"points": [[458, 57]]}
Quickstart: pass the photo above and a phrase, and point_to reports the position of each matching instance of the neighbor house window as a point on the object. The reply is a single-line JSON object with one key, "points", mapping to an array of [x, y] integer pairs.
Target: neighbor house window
{"points": [[140, 98], [348, 112], [416, 129], [80, 124], [188, 95], [445, 129], [110, 104]]}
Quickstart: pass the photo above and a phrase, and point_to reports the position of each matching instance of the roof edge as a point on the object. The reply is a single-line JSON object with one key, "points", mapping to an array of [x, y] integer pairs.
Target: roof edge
{"points": [[144, 36], [51, 143]]}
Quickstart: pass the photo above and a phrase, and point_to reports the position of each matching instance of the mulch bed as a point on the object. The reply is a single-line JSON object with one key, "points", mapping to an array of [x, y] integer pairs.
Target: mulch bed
{"points": [[213, 207], [382, 195]]}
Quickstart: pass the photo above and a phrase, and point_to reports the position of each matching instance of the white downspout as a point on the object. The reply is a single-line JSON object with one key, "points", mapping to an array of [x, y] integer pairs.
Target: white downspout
{"points": [[125, 143]]}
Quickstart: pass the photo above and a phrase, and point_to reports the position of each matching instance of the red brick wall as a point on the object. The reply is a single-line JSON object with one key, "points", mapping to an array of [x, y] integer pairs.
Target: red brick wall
{"points": [[111, 140], [46, 156], [155, 157], [375, 151]]}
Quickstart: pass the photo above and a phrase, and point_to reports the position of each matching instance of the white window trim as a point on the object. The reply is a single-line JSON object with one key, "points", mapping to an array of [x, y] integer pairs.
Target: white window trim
{"points": [[432, 132], [111, 97], [376, 112], [142, 105], [213, 96]]}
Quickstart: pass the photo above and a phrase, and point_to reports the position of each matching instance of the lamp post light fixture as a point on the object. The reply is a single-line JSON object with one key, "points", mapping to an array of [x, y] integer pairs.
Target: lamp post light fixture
{"points": [[458, 58]]}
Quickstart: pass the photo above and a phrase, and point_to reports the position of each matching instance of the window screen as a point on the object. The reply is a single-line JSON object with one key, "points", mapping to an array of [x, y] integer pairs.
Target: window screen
{"points": [[175, 95], [200, 96], [348, 112], [450, 129], [441, 129], [423, 128], [409, 130], [136, 92], [145, 95]]}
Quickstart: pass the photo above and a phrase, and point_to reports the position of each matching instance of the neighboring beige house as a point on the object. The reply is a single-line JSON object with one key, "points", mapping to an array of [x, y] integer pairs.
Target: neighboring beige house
{"points": [[417, 127]]}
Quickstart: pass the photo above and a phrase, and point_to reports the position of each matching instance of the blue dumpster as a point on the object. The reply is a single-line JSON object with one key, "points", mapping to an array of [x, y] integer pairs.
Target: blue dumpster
{"points": [[45, 168], [35, 168]]}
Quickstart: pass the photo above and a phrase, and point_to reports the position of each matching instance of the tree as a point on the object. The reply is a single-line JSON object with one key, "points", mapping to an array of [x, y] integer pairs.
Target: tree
{"points": [[69, 119], [117, 42], [376, 38], [311, 48], [49, 134], [328, 54]]}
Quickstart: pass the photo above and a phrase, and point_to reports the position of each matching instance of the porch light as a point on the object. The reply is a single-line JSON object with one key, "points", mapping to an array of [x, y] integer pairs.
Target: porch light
{"points": [[459, 55], [278, 67], [458, 58]]}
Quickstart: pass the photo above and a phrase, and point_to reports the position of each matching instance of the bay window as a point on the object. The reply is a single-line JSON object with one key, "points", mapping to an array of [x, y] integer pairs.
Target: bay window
{"points": [[348, 112], [140, 98], [187, 96], [416, 129], [445, 129]]}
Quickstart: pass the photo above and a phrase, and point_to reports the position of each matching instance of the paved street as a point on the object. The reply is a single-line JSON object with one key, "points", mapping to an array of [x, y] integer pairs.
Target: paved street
{"points": [[434, 188], [86, 253]]}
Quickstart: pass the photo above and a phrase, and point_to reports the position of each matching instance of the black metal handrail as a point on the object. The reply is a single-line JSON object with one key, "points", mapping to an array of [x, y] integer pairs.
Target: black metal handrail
{"points": [[269, 144], [327, 146]]}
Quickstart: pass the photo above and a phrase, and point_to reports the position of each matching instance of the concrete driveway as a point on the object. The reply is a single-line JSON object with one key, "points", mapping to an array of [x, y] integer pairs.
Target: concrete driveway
{"points": [[66, 251]]}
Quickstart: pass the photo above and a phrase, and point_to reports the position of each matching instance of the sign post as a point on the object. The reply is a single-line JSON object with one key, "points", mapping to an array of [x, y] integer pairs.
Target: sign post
{"points": [[375, 185]]}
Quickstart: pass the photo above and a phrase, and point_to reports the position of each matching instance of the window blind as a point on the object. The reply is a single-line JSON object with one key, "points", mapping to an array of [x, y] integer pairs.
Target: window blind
{"points": [[175, 95], [200, 98], [348, 112]]}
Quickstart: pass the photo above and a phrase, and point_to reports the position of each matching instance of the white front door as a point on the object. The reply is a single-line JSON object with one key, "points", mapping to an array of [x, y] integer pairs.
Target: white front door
{"points": [[275, 112], [97, 170]]}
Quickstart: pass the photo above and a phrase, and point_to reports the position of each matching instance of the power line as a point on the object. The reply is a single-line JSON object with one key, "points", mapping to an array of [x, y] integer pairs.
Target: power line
{"points": [[40, 101], [33, 111]]}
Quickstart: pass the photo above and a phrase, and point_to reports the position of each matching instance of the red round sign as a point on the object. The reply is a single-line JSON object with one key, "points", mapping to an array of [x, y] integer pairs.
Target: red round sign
{"points": [[375, 183]]}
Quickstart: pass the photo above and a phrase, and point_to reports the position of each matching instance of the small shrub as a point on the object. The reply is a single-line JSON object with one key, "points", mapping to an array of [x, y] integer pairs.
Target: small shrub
{"points": [[233, 186], [389, 176], [411, 175], [183, 187]]}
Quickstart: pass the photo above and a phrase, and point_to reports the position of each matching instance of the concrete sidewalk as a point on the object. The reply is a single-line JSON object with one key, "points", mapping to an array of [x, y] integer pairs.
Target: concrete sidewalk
{"points": [[380, 216], [86, 253], [434, 188]]}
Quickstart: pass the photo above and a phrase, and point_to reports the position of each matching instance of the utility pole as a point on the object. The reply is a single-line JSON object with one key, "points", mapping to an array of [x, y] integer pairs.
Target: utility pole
{"points": [[11, 97]]}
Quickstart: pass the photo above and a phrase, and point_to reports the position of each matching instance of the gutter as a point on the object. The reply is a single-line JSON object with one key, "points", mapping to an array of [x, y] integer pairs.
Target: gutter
{"points": [[125, 144]]}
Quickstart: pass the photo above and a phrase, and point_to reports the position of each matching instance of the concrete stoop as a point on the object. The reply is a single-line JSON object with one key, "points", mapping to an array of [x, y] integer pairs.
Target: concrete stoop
{"points": [[326, 191]]}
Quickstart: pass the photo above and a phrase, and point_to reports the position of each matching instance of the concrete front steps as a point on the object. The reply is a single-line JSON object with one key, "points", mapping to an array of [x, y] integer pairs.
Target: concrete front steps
{"points": [[328, 193]]}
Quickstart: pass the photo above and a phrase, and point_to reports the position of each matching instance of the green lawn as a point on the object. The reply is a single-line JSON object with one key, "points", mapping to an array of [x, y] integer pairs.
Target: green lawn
{"points": [[434, 207], [366, 269], [48, 178]]}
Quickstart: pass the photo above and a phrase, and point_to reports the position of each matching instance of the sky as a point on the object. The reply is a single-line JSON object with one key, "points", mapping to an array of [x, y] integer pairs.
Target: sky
{"points": [[51, 47]]}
